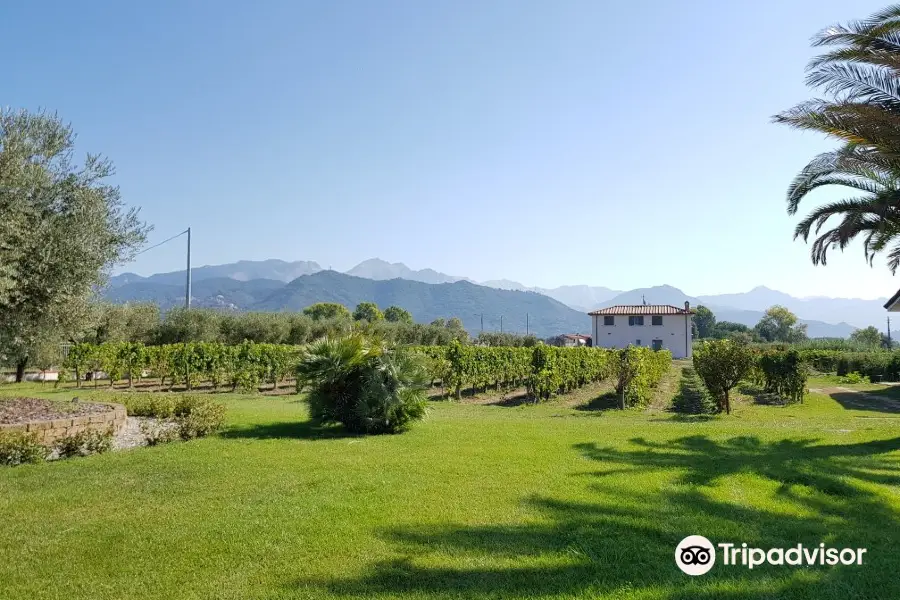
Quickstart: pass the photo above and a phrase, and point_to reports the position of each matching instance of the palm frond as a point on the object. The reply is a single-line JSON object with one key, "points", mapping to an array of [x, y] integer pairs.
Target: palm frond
{"points": [[850, 208], [888, 13], [862, 78], [857, 83], [893, 257], [864, 124], [878, 58]]}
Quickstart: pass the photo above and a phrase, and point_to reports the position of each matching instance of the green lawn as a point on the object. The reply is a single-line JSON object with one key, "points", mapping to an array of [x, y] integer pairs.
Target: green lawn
{"points": [[479, 501]]}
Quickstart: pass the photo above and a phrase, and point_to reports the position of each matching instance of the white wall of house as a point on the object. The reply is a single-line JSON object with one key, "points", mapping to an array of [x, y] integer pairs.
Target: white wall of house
{"points": [[674, 333]]}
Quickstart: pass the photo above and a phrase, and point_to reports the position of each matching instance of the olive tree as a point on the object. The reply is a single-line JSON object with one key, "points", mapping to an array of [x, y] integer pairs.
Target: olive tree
{"points": [[705, 322], [722, 364], [367, 311], [326, 310], [395, 314], [63, 228], [870, 336], [780, 325]]}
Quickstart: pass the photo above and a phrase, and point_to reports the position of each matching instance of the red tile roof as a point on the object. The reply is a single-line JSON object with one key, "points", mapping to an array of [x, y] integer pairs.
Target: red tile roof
{"points": [[642, 309]]}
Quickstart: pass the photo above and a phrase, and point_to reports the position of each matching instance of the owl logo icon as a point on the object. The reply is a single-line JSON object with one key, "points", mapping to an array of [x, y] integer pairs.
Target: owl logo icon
{"points": [[695, 555]]}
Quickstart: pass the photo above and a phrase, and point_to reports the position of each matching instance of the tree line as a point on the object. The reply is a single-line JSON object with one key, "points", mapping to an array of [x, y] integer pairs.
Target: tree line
{"points": [[778, 325]]}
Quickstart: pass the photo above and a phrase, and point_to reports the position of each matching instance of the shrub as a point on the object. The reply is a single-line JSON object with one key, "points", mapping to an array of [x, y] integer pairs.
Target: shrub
{"points": [[194, 415], [363, 385], [545, 377], [693, 398], [638, 369], [200, 420], [722, 364], [160, 406], [854, 377], [158, 432], [784, 374], [21, 448], [85, 443]]}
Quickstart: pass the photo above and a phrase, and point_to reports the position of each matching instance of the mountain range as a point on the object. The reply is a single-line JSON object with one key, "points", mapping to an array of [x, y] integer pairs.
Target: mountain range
{"points": [[476, 305], [429, 294]]}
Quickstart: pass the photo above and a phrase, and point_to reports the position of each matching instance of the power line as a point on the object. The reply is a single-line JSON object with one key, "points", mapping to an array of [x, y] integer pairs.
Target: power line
{"points": [[162, 242]]}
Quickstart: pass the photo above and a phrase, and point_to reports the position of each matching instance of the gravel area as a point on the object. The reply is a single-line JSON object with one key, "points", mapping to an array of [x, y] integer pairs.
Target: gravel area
{"points": [[132, 434], [23, 410]]}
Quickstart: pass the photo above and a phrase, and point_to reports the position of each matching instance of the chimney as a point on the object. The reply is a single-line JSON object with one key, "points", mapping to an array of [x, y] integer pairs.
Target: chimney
{"points": [[687, 305]]}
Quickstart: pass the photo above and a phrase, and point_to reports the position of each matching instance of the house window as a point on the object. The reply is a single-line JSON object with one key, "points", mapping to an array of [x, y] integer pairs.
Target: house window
{"points": [[637, 342], [609, 321], [656, 320], [657, 344], [635, 320]]}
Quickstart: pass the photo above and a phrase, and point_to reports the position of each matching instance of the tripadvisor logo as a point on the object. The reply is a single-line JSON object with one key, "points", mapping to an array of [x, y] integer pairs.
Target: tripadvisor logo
{"points": [[696, 555]]}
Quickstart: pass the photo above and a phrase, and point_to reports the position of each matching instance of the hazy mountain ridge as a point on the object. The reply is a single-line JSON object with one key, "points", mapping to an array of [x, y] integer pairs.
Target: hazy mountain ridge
{"points": [[856, 311], [666, 294], [375, 268], [243, 270], [537, 313], [826, 317]]}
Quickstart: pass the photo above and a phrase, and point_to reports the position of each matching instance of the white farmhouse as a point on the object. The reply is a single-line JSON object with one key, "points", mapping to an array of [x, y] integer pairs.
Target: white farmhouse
{"points": [[659, 326]]}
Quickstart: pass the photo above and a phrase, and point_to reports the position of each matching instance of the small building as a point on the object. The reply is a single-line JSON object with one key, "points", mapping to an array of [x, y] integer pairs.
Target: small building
{"points": [[658, 326], [574, 340]]}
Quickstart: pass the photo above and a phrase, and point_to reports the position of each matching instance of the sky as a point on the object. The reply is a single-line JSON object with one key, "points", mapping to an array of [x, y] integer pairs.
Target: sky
{"points": [[566, 142]]}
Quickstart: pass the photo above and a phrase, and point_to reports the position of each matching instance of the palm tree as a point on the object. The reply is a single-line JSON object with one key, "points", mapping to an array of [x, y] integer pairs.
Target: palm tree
{"points": [[362, 384], [862, 76]]}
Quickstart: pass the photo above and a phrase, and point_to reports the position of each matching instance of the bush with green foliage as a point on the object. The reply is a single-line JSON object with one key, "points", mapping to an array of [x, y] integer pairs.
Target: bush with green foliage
{"points": [[326, 310], [79, 360], [201, 420], [85, 443], [479, 367], [722, 364], [367, 311], [784, 374], [158, 432], [395, 314], [186, 415], [853, 378], [18, 448], [512, 340], [362, 384], [877, 365], [545, 370], [246, 365], [637, 370], [692, 397]]}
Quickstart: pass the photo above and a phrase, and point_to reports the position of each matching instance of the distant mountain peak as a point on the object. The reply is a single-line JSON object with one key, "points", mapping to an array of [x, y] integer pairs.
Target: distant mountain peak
{"points": [[380, 270]]}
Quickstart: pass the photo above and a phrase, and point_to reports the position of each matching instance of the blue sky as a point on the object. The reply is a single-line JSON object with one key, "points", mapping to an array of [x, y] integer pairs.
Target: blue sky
{"points": [[616, 144]]}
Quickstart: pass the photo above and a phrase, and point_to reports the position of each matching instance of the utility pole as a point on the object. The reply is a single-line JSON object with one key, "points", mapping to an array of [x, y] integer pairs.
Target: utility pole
{"points": [[526, 323], [890, 343], [501, 323], [187, 289]]}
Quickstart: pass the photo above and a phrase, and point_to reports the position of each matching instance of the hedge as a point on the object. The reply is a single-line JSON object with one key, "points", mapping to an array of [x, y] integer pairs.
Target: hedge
{"points": [[546, 370], [877, 364], [245, 366]]}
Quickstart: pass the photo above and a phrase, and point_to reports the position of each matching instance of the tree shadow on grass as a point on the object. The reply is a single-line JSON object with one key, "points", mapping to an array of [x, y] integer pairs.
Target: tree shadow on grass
{"points": [[875, 401], [761, 396], [298, 430], [606, 401], [620, 541]]}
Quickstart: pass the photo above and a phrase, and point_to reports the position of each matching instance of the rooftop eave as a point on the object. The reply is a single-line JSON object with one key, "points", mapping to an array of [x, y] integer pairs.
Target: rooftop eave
{"points": [[893, 305]]}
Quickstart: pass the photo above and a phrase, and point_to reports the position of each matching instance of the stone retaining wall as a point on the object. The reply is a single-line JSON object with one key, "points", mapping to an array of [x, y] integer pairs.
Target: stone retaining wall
{"points": [[50, 431]]}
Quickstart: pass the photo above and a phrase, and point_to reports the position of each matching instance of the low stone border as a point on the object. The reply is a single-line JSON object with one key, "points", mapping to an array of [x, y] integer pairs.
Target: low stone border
{"points": [[51, 430]]}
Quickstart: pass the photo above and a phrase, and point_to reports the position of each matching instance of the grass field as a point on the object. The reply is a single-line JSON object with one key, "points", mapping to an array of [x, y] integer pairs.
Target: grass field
{"points": [[479, 501]]}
